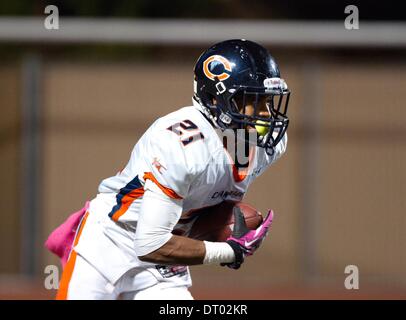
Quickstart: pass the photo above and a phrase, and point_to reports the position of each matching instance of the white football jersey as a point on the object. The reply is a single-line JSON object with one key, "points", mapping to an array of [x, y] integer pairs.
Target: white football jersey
{"points": [[182, 154]]}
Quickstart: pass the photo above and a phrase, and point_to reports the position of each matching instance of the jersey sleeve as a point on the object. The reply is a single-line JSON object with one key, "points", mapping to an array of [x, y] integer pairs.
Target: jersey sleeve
{"points": [[158, 215], [168, 169], [167, 163]]}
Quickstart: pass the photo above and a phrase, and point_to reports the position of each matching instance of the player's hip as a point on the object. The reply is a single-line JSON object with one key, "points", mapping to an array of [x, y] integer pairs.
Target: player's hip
{"points": [[108, 246]]}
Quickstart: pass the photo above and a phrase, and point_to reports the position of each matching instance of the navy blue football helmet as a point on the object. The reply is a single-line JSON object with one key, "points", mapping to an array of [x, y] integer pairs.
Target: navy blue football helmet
{"points": [[238, 84]]}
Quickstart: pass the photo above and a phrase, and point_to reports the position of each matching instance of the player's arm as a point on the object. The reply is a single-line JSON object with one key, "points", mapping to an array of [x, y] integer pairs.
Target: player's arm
{"points": [[178, 250], [154, 241]]}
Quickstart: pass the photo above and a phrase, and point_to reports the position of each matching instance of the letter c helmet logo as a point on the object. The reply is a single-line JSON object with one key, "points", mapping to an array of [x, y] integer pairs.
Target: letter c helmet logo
{"points": [[212, 62]]}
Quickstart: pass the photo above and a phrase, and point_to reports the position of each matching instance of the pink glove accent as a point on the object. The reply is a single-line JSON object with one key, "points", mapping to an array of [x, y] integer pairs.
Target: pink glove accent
{"points": [[250, 240], [61, 239]]}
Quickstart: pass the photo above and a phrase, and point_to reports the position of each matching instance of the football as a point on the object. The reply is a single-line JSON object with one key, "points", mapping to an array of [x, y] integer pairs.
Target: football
{"points": [[216, 223]]}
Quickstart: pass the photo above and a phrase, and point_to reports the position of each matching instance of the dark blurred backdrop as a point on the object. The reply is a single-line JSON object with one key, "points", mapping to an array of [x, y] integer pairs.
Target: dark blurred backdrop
{"points": [[72, 109]]}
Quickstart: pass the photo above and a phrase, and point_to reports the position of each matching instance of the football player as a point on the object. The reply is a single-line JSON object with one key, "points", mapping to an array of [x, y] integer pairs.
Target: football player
{"points": [[125, 245]]}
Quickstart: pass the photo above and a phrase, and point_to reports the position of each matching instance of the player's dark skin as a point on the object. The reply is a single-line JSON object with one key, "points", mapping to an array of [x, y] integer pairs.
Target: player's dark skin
{"points": [[178, 251], [182, 250]]}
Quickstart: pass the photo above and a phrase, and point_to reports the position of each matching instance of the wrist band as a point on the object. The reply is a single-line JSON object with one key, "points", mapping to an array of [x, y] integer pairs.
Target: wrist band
{"points": [[218, 252]]}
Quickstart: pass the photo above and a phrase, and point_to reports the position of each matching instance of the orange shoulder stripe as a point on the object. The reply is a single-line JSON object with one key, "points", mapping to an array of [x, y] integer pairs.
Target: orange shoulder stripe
{"points": [[169, 192], [126, 202]]}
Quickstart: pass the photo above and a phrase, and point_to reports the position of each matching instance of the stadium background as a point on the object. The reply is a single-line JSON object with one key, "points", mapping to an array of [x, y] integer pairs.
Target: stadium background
{"points": [[71, 112]]}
